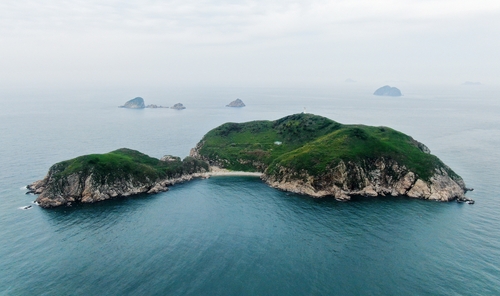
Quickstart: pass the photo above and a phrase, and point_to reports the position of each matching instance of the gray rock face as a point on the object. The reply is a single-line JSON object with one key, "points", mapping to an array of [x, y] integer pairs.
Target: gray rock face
{"points": [[136, 103], [178, 106], [381, 178], [236, 103], [87, 188], [170, 158], [388, 91]]}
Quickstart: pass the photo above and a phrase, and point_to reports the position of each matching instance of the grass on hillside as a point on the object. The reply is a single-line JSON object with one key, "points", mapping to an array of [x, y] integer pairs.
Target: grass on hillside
{"points": [[312, 143], [125, 164]]}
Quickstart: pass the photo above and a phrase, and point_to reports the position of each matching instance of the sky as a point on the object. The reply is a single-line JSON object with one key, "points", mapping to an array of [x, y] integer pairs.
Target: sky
{"points": [[272, 43]]}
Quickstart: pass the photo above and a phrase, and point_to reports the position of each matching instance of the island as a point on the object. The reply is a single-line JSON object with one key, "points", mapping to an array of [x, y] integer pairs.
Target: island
{"points": [[301, 153], [135, 103], [236, 103], [123, 172], [388, 91], [178, 106], [313, 155], [138, 103]]}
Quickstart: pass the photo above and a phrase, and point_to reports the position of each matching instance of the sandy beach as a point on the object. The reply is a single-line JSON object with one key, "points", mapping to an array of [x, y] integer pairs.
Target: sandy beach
{"points": [[216, 171]]}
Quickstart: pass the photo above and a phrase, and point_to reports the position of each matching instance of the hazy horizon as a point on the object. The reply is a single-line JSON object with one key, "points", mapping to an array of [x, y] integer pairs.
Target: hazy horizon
{"points": [[156, 44]]}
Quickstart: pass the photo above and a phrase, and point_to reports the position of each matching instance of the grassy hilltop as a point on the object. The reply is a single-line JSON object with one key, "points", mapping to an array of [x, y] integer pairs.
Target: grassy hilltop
{"points": [[123, 172], [307, 142], [125, 164]]}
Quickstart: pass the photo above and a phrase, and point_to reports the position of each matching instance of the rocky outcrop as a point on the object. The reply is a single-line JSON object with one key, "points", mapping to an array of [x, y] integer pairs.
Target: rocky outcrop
{"points": [[388, 91], [378, 178], [53, 192], [178, 106], [154, 106], [236, 103], [136, 103], [170, 158]]}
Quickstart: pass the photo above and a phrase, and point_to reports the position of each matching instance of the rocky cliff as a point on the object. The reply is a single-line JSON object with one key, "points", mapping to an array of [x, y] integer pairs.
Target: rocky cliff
{"points": [[381, 177], [120, 173]]}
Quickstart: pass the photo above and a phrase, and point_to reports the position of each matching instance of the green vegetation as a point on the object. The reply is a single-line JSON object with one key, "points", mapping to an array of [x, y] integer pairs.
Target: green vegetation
{"points": [[312, 143], [123, 164]]}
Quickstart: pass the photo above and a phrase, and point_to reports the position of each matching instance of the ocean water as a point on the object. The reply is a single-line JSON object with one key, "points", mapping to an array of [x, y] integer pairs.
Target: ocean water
{"points": [[235, 235]]}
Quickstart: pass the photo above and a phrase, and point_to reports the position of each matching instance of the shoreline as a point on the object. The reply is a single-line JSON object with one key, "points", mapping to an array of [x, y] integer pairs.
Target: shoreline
{"points": [[216, 172]]}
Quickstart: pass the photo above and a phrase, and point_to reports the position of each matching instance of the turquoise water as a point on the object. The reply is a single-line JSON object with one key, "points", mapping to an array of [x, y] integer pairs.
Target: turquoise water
{"points": [[235, 235]]}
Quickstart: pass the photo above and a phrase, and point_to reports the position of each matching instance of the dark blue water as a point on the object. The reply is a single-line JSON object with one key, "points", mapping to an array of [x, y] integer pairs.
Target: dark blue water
{"points": [[235, 235]]}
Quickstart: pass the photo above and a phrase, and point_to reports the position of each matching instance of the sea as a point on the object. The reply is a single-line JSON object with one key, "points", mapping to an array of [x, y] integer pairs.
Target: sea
{"points": [[234, 235]]}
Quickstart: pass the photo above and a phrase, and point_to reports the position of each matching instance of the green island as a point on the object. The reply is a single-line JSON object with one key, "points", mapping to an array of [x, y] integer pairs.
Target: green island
{"points": [[312, 143], [301, 153], [122, 172]]}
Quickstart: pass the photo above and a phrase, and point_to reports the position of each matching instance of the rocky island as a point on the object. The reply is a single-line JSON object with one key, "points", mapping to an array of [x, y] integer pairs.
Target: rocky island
{"points": [[124, 172], [388, 91], [313, 155], [301, 153], [135, 103], [178, 106], [236, 103], [138, 103]]}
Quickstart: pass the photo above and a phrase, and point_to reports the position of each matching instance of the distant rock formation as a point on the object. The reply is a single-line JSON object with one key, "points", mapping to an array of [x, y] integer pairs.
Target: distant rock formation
{"points": [[236, 103], [349, 80], [388, 91], [471, 83], [153, 106], [136, 103], [178, 106]]}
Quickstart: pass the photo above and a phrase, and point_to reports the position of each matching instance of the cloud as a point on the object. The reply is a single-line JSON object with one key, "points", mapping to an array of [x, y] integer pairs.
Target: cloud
{"points": [[226, 21], [259, 40]]}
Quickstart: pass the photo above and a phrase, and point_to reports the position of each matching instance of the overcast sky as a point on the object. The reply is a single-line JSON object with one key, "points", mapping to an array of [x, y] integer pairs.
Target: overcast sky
{"points": [[247, 43]]}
